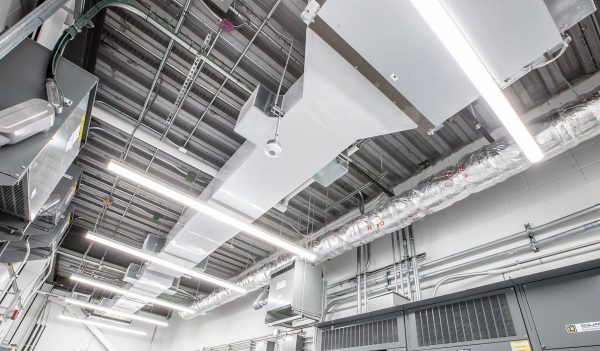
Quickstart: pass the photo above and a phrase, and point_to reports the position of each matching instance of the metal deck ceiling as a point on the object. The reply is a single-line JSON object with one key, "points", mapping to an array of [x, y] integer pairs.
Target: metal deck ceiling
{"points": [[129, 53]]}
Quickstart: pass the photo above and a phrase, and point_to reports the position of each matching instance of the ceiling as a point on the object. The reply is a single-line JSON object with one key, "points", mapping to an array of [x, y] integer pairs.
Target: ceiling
{"points": [[126, 53]]}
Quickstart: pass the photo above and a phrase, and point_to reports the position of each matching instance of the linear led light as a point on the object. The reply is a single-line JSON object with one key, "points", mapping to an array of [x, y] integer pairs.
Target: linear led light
{"points": [[438, 19], [130, 294], [167, 264], [201, 207], [102, 325], [112, 311]]}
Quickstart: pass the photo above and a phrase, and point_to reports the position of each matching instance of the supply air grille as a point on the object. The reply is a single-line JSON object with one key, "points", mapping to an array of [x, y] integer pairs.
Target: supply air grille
{"points": [[366, 334], [283, 270], [477, 319], [12, 199]]}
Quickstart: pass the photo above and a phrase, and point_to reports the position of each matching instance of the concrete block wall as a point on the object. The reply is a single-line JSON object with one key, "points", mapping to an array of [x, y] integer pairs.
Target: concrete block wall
{"points": [[552, 189]]}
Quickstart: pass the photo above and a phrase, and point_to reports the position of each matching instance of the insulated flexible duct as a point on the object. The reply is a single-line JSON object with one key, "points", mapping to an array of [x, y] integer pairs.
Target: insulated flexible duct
{"points": [[490, 165]]}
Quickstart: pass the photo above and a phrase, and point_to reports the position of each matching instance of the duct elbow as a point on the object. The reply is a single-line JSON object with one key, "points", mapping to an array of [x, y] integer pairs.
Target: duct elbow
{"points": [[262, 299]]}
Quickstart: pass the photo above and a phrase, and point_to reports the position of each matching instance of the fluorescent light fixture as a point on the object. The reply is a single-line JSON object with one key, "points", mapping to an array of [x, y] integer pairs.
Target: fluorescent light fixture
{"points": [[125, 292], [439, 20], [113, 312], [201, 207], [102, 325], [164, 263]]}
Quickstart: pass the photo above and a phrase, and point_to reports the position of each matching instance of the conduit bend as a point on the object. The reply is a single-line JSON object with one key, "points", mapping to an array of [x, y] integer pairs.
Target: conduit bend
{"points": [[490, 165]]}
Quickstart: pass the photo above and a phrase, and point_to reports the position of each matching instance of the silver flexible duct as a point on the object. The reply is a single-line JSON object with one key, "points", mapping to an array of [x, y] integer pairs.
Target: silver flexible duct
{"points": [[490, 165]]}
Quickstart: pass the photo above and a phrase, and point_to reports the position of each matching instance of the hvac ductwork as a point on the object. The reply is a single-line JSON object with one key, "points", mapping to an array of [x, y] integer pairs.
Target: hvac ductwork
{"points": [[490, 165]]}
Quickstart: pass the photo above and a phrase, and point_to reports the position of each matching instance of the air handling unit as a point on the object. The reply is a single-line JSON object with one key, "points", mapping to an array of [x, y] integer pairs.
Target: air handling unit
{"points": [[34, 161], [47, 229], [295, 295]]}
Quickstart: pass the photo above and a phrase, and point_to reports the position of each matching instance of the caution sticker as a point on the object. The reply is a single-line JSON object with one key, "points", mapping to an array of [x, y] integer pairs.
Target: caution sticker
{"points": [[520, 345], [583, 327], [81, 128]]}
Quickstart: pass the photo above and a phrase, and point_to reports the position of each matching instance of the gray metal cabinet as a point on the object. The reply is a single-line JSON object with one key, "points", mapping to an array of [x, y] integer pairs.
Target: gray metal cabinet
{"points": [[559, 303]]}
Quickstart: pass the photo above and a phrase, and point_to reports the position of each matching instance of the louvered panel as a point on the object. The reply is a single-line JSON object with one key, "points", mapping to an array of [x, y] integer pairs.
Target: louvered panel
{"points": [[483, 318], [366, 334], [12, 199]]}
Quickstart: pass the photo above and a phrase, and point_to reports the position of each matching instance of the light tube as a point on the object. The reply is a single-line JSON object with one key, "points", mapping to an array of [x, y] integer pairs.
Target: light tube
{"points": [[167, 264], [112, 311], [201, 207], [125, 292], [102, 325], [439, 20]]}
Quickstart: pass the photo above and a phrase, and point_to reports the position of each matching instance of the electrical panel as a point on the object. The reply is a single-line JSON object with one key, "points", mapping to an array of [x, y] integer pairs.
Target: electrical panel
{"points": [[565, 310]]}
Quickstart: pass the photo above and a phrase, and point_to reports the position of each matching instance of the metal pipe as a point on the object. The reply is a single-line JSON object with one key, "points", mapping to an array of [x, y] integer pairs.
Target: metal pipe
{"points": [[227, 77], [514, 251], [13, 277], [588, 247], [27, 25], [508, 239], [414, 263], [367, 259], [401, 271], [392, 235], [407, 265], [358, 280]]}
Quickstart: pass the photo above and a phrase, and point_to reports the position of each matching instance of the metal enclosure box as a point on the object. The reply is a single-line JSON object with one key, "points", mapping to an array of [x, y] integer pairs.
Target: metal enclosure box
{"points": [[489, 321], [295, 293], [560, 305], [292, 343], [264, 345], [61, 198], [30, 169], [386, 300]]}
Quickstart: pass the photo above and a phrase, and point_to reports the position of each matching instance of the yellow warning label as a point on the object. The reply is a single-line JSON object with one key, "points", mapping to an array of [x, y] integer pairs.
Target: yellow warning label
{"points": [[572, 328], [81, 127], [520, 345]]}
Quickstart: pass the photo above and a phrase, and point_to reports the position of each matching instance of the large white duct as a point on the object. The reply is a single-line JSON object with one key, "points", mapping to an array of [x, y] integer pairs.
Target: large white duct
{"points": [[475, 172]]}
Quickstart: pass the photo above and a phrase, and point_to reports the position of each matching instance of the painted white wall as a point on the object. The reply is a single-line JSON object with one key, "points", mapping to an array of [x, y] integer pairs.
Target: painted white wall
{"points": [[61, 335], [232, 322]]}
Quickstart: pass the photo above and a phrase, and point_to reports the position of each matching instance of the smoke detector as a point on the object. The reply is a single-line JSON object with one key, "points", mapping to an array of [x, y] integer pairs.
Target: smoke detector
{"points": [[273, 148]]}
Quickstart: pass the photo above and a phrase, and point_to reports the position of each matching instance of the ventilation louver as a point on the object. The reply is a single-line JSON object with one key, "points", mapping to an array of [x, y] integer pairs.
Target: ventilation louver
{"points": [[483, 318], [366, 334], [12, 199]]}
